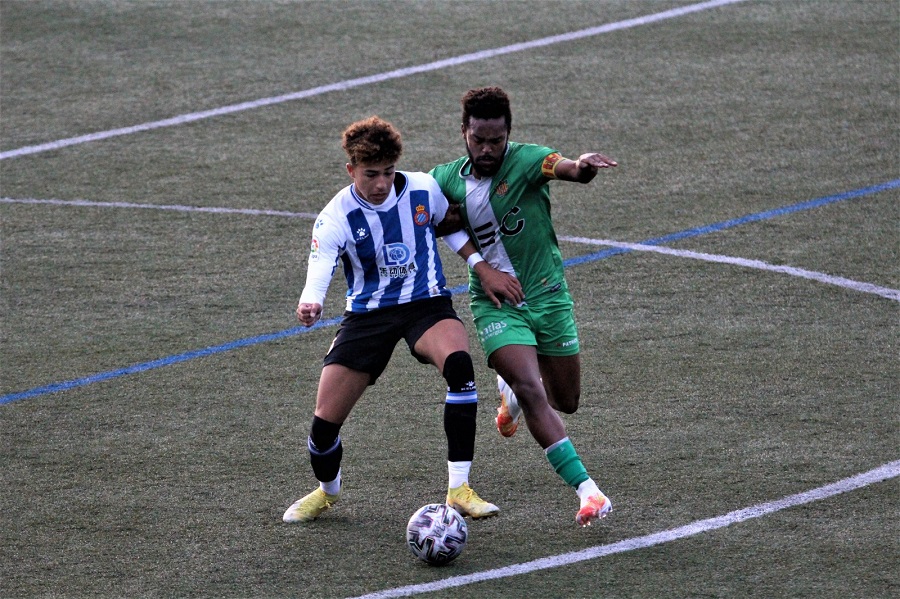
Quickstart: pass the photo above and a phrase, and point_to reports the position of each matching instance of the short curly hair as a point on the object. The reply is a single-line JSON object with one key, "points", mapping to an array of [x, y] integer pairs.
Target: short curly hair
{"points": [[372, 141], [486, 103]]}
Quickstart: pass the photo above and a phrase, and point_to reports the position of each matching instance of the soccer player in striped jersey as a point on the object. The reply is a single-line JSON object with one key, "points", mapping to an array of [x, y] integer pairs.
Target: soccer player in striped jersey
{"points": [[501, 188], [381, 229]]}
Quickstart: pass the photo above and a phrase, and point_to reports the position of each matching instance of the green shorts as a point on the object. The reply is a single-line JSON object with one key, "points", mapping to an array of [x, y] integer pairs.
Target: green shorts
{"points": [[548, 324]]}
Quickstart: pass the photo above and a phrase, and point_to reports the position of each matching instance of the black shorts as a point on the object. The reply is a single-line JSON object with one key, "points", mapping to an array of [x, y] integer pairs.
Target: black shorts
{"points": [[365, 341]]}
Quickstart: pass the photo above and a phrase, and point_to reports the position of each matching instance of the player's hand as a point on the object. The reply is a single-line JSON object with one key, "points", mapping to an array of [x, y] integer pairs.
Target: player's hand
{"points": [[593, 161], [309, 314], [499, 286]]}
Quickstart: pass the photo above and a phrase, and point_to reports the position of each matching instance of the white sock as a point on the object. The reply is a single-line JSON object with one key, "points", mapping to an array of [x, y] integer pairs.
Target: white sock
{"points": [[459, 473], [332, 487], [555, 445], [587, 489], [512, 404]]}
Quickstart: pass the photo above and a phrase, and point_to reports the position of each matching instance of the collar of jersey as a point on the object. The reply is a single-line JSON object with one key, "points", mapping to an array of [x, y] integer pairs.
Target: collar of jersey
{"points": [[401, 183]]}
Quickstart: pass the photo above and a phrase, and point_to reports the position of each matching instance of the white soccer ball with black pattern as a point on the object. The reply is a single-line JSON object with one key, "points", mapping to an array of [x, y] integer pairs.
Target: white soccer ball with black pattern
{"points": [[436, 534]]}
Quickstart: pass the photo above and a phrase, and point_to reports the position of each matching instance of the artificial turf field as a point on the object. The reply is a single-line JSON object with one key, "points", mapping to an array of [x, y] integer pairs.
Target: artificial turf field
{"points": [[156, 394]]}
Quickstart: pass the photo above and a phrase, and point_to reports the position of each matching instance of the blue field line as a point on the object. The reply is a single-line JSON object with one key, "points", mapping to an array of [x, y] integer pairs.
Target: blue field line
{"points": [[736, 222], [168, 361], [601, 255]]}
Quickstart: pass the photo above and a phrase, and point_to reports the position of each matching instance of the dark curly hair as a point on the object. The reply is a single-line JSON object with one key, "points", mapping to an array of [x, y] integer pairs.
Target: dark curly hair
{"points": [[486, 103], [372, 141]]}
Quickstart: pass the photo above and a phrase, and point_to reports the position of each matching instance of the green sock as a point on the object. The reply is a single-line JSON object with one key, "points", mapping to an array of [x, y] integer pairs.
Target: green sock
{"points": [[567, 464]]}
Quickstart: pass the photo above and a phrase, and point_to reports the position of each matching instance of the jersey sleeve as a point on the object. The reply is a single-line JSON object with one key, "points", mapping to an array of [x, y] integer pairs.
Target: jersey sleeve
{"points": [[436, 172], [543, 161], [324, 252], [448, 179], [439, 203]]}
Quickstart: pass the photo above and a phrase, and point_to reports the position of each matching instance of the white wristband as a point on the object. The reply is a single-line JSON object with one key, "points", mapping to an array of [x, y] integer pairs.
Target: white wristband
{"points": [[474, 259]]}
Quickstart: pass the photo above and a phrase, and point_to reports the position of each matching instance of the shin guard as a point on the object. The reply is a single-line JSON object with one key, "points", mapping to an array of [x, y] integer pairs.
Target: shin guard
{"points": [[461, 407], [325, 449]]}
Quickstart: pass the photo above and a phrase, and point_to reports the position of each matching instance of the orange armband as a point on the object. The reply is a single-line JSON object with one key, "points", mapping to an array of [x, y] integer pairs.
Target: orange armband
{"points": [[548, 167]]}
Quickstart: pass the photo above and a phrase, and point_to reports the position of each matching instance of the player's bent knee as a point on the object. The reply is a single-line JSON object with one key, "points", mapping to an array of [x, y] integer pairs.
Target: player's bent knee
{"points": [[459, 371], [567, 404], [568, 408]]}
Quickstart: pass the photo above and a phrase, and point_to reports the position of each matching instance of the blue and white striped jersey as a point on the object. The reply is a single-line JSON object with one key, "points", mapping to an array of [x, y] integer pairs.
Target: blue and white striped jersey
{"points": [[388, 251]]}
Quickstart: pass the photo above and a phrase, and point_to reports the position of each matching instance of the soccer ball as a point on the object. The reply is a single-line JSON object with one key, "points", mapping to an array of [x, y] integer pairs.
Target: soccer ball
{"points": [[436, 534]]}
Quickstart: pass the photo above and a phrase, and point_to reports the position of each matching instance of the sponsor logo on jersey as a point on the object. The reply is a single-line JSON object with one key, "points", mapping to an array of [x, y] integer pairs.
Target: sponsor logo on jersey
{"points": [[319, 223], [397, 272], [492, 330], [568, 343], [421, 217], [314, 250], [361, 234], [396, 254], [396, 261]]}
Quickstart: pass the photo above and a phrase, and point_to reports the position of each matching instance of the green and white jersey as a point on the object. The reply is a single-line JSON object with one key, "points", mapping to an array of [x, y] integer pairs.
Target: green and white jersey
{"points": [[508, 217]]}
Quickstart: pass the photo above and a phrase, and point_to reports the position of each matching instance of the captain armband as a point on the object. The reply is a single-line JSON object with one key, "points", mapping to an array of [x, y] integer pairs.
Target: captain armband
{"points": [[548, 167]]}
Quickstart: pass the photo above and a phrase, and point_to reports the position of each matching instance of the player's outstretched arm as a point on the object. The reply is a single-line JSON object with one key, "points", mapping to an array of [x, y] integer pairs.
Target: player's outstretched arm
{"points": [[584, 169]]}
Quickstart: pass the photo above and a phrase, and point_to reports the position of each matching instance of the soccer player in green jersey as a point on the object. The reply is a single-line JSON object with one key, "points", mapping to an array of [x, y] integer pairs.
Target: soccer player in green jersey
{"points": [[502, 190]]}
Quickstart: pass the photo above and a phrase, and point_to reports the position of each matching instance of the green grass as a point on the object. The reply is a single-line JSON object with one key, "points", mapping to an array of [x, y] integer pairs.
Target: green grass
{"points": [[707, 388]]}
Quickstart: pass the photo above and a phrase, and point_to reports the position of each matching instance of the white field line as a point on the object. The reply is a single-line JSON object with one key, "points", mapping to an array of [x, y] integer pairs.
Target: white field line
{"points": [[369, 80], [886, 292], [880, 474], [175, 207]]}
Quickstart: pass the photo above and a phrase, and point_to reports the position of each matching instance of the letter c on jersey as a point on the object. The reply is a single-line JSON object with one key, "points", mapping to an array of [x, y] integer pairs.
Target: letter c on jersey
{"points": [[517, 228]]}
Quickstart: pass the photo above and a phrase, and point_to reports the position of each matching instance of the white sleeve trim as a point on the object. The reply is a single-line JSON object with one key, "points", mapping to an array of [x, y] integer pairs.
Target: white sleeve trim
{"points": [[455, 241]]}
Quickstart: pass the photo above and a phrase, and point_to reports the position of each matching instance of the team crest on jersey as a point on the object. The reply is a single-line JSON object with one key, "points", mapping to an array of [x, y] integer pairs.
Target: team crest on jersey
{"points": [[502, 188], [421, 217]]}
